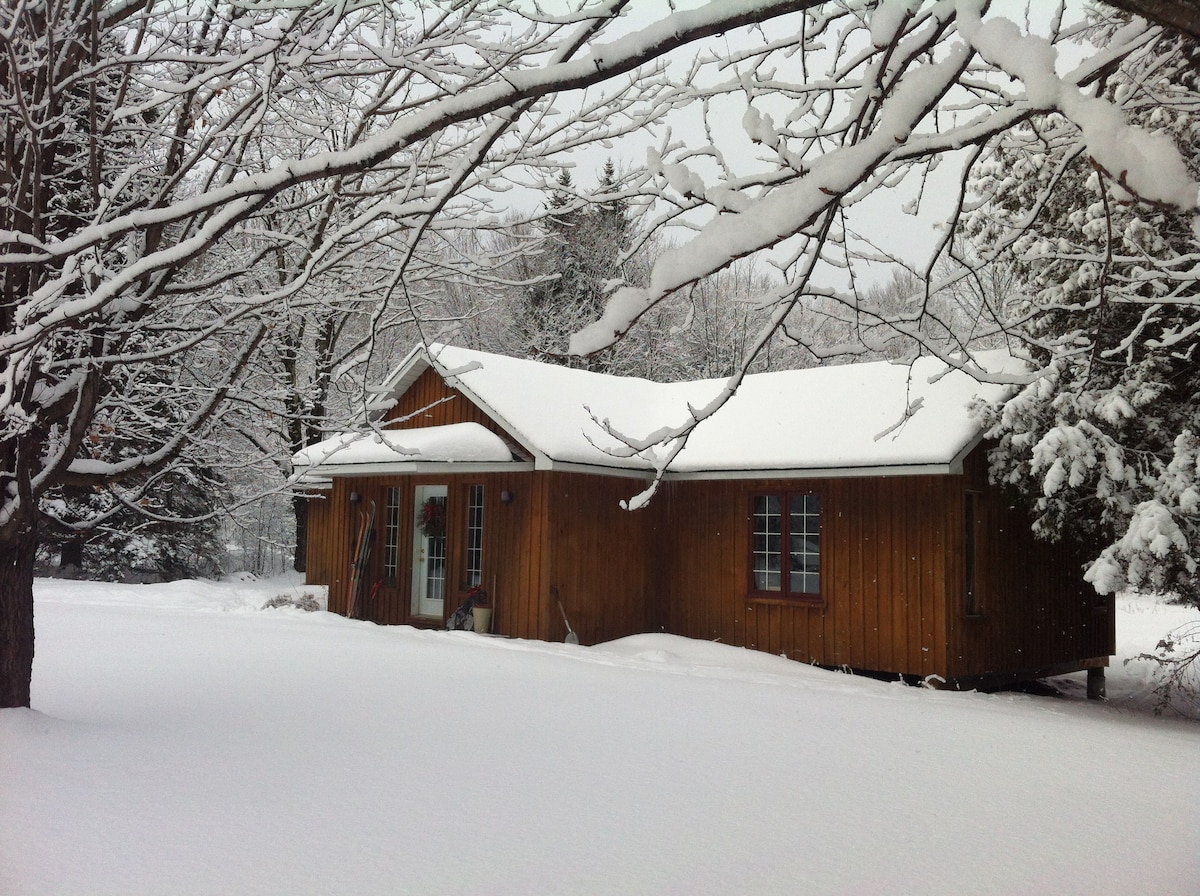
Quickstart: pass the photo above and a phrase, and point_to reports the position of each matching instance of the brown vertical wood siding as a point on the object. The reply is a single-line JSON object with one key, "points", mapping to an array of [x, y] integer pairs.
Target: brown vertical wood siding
{"points": [[561, 533], [317, 558], [893, 580], [333, 542], [1035, 609], [511, 549], [600, 557], [430, 402], [883, 573]]}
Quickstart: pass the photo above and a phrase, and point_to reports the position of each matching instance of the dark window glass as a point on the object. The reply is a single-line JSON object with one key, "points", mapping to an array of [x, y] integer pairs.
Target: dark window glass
{"points": [[796, 533]]}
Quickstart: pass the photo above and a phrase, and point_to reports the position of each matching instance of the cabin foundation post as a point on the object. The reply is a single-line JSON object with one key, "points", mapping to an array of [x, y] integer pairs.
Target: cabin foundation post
{"points": [[1095, 683]]}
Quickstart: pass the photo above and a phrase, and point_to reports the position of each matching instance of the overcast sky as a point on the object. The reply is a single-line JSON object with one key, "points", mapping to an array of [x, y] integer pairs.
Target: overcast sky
{"points": [[879, 217]]}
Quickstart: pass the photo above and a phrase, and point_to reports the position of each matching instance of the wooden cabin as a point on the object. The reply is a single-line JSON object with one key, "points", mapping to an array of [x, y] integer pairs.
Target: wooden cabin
{"points": [[840, 516]]}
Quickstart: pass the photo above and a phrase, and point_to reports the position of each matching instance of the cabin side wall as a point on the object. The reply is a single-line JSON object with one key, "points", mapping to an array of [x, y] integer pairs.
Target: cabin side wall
{"points": [[601, 558], [1034, 611], [883, 564], [317, 559], [329, 544], [545, 534]]}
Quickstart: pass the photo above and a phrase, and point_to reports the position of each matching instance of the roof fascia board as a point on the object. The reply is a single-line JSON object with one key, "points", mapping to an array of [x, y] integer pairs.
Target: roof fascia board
{"points": [[311, 484], [956, 463], [940, 469], [946, 469], [558, 466], [448, 467]]}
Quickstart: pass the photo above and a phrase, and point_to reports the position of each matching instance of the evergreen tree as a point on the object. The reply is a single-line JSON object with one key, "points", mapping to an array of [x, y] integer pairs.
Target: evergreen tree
{"points": [[156, 521], [1105, 445], [581, 254], [162, 529]]}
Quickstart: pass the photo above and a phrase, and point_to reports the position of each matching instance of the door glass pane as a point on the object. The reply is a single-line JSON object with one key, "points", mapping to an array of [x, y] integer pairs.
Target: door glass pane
{"points": [[435, 577]]}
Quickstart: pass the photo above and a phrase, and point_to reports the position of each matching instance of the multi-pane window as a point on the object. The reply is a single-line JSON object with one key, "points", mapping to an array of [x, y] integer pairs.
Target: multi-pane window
{"points": [[786, 551], [475, 535], [391, 535]]}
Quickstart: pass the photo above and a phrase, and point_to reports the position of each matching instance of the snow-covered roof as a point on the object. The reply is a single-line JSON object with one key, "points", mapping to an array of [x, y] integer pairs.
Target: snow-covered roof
{"points": [[853, 419], [371, 451]]}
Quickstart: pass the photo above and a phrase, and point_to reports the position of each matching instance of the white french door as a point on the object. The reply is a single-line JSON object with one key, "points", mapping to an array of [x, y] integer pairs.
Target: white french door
{"points": [[429, 552]]}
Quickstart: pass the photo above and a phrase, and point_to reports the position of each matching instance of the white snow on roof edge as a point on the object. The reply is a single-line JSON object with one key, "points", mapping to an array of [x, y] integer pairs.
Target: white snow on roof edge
{"points": [[857, 419], [456, 442], [874, 415]]}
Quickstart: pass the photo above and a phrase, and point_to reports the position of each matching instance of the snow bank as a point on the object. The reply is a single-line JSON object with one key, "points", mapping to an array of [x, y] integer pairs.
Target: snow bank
{"points": [[185, 743]]}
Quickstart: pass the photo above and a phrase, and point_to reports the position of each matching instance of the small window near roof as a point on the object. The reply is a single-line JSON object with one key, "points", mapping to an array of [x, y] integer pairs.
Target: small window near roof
{"points": [[786, 545]]}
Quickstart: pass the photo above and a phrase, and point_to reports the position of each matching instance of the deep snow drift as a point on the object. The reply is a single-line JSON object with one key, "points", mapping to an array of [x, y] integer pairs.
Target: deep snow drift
{"points": [[184, 741]]}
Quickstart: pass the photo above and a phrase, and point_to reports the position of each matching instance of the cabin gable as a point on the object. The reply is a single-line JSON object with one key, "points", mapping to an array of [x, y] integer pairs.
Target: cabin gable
{"points": [[431, 401]]}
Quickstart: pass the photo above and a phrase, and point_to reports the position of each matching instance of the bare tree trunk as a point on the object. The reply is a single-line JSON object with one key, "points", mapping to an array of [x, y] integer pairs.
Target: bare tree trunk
{"points": [[16, 618], [1182, 15], [300, 509], [71, 555]]}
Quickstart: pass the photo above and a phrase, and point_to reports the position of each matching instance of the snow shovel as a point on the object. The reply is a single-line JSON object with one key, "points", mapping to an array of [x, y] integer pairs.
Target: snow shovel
{"points": [[571, 637]]}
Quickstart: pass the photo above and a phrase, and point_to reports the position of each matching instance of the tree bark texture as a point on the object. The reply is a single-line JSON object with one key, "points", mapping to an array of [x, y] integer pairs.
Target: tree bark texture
{"points": [[1182, 15], [16, 618]]}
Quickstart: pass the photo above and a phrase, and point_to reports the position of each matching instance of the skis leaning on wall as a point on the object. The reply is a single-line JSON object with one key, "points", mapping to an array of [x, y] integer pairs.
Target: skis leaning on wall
{"points": [[366, 540]]}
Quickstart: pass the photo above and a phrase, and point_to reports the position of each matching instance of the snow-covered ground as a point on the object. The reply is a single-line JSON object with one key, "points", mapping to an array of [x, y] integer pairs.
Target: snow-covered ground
{"points": [[184, 741]]}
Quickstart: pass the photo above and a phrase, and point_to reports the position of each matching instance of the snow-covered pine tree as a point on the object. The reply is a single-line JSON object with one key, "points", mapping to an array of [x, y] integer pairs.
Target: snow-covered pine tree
{"points": [[152, 522], [168, 530], [1104, 445], [581, 252]]}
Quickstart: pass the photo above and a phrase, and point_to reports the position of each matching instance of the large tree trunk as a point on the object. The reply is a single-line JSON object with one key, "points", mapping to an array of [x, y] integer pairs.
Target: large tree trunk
{"points": [[16, 618], [1182, 15]]}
